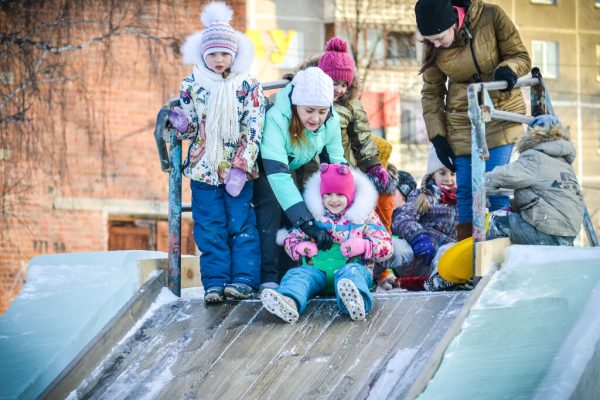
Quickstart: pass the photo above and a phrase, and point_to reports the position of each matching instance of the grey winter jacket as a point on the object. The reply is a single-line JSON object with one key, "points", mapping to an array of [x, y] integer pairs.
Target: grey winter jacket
{"points": [[547, 193]]}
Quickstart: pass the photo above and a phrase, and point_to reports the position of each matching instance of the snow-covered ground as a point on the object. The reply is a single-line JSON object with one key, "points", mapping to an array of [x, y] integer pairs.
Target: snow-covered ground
{"points": [[66, 301]]}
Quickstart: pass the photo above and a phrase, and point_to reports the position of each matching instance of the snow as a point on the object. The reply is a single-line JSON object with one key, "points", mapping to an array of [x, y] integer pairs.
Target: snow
{"points": [[532, 331], [66, 301]]}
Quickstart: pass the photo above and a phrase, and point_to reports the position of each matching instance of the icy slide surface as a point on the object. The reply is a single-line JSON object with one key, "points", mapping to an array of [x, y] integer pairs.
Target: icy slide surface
{"points": [[65, 302], [531, 333]]}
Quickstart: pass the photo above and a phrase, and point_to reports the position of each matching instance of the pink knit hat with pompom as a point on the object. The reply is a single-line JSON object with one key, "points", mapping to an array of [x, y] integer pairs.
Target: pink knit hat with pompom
{"points": [[337, 178], [337, 62]]}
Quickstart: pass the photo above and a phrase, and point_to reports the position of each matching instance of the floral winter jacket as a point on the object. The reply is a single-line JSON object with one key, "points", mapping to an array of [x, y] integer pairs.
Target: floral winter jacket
{"points": [[439, 222], [358, 221], [194, 100]]}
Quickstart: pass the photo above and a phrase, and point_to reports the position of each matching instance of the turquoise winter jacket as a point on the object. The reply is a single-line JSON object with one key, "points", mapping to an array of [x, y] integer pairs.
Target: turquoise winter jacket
{"points": [[280, 155]]}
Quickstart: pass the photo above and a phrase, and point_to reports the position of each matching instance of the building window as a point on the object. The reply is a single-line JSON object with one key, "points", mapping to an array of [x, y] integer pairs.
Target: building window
{"points": [[545, 56], [412, 126], [401, 48], [551, 2], [598, 61]]}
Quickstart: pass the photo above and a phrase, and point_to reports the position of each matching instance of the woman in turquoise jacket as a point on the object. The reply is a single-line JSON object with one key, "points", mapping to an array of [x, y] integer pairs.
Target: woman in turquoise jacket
{"points": [[300, 126]]}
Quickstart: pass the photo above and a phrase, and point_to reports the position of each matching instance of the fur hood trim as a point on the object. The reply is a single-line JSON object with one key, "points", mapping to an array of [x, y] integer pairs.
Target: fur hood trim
{"points": [[243, 58], [365, 198], [536, 135]]}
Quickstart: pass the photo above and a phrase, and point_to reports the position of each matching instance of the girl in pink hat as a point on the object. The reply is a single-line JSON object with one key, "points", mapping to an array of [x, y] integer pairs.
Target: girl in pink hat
{"points": [[342, 202]]}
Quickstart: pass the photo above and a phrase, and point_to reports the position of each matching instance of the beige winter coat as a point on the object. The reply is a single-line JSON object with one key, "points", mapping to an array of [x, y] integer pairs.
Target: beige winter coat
{"points": [[496, 43]]}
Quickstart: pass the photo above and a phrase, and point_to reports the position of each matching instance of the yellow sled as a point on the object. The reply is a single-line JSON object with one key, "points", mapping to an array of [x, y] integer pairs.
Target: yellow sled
{"points": [[456, 264]]}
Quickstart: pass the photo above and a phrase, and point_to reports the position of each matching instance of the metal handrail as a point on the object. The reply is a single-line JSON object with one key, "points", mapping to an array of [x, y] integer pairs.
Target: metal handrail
{"points": [[171, 161], [479, 115]]}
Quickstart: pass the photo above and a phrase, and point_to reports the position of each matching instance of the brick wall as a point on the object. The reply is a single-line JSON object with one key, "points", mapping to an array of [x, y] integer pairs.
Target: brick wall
{"points": [[121, 165]]}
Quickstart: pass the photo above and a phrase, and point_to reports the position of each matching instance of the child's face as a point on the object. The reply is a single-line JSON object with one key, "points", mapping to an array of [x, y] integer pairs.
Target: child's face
{"points": [[312, 117], [399, 199], [335, 203], [219, 62], [444, 177], [339, 89]]}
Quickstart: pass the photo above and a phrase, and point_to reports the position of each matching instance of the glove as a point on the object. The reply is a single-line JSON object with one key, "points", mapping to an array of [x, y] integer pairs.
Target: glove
{"points": [[178, 119], [444, 152], [423, 246], [354, 247], [380, 174], [508, 75], [324, 239], [448, 195], [305, 249], [235, 182]]}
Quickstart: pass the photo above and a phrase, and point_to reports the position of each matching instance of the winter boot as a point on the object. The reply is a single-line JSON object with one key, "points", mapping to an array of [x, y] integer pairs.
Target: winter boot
{"points": [[282, 306], [214, 294], [464, 230], [239, 291], [352, 299]]}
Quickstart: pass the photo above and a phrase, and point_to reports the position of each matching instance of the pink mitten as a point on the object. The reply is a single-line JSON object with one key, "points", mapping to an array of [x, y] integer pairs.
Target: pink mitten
{"points": [[305, 249], [235, 182], [354, 247]]}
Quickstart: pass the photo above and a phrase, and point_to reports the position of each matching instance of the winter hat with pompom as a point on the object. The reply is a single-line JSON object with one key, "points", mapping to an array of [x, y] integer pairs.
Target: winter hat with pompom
{"points": [[433, 162], [312, 87], [337, 178], [337, 62], [218, 36]]}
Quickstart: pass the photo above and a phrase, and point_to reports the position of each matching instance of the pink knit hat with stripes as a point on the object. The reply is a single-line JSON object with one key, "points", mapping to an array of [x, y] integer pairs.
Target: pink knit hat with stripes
{"points": [[337, 62], [218, 36]]}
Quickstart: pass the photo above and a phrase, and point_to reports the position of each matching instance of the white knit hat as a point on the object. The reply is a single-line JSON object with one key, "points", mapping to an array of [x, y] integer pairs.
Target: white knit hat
{"points": [[433, 162], [312, 87]]}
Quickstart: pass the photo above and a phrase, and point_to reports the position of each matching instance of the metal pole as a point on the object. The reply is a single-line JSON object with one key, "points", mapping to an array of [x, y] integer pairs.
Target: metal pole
{"points": [[479, 153], [174, 275]]}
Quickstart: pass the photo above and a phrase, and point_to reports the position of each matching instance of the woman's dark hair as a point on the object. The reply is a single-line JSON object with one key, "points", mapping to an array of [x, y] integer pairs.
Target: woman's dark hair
{"points": [[296, 128]]}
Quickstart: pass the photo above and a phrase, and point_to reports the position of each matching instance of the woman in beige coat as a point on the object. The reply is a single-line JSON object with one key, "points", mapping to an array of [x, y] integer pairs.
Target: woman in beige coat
{"points": [[466, 43]]}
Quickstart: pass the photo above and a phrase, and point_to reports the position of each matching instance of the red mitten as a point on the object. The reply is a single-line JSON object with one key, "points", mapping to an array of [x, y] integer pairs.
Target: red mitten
{"points": [[305, 249]]}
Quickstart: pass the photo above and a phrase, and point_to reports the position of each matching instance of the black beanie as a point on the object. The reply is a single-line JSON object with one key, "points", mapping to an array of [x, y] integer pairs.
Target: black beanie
{"points": [[406, 183], [434, 16]]}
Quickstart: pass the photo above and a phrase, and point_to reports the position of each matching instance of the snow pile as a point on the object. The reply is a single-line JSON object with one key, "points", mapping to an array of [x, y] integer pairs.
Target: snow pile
{"points": [[535, 323], [65, 302]]}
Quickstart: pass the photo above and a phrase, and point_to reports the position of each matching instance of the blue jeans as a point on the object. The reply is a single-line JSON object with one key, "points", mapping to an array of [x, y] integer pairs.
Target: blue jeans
{"points": [[513, 226], [225, 232], [303, 283], [464, 194]]}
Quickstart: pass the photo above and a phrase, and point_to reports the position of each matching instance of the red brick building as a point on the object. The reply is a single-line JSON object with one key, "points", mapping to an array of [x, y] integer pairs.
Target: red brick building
{"points": [[111, 192]]}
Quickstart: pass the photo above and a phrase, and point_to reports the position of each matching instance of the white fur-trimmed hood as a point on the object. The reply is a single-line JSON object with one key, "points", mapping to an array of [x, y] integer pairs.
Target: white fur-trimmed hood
{"points": [[365, 197]]}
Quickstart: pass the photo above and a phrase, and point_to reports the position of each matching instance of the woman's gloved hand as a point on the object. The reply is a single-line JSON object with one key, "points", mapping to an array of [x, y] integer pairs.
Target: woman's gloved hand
{"points": [[444, 152], [508, 75], [305, 249], [324, 239]]}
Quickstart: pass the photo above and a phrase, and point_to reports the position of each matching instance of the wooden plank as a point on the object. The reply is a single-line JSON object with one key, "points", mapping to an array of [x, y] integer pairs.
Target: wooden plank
{"points": [[268, 343], [95, 351], [488, 253], [190, 270]]}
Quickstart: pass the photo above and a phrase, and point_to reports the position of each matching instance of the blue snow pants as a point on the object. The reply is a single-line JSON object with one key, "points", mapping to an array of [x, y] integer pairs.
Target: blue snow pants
{"points": [[303, 283], [225, 232], [498, 156]]}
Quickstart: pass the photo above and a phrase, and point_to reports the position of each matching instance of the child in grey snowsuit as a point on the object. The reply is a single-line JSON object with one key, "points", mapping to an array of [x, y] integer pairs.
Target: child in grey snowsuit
{"points": [[548, 205]]}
